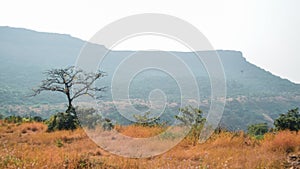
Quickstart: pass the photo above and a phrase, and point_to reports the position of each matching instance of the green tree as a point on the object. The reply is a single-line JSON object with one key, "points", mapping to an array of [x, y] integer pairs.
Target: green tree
{"points": [[289, 120], [192, 117], [258, 130]]}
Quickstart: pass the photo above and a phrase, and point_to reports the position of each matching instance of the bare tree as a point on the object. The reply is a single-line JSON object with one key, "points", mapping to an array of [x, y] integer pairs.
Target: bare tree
{"points": [[71, 81]]}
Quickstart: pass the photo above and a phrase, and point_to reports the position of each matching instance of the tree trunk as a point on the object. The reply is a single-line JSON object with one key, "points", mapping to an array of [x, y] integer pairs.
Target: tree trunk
{"points": [[67, 92], [70, 106]]}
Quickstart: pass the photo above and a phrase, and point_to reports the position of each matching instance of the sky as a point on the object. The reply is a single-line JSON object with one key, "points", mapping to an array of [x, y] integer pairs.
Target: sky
{"points": [[266, 31]]}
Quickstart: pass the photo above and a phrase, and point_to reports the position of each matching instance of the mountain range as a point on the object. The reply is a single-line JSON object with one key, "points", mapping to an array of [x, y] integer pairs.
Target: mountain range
{"points": [[253, 94]]}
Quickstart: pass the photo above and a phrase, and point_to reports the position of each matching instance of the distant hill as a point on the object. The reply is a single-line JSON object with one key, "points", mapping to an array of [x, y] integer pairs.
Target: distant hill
{"points": [[254, 95]]}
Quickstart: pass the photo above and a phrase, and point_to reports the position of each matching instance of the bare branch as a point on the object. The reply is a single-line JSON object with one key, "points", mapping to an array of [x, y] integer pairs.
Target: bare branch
{"points": [[71, 81], [88, 90]]}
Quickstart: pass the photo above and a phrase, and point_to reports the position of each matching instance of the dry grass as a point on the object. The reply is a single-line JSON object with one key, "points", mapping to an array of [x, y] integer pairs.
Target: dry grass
{"points": [[139, 131], [285, 141], [29, 146]]}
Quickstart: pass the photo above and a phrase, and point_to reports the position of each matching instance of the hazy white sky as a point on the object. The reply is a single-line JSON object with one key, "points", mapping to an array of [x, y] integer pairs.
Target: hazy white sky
{"points": [[266, 31]]}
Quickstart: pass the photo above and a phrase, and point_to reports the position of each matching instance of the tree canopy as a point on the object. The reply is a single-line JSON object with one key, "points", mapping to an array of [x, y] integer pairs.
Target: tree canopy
{"points": [[258, 129], [289, 120]]}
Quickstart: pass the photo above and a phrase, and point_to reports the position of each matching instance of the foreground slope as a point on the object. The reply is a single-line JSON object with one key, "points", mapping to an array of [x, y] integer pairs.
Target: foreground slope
{"points": [[29, 146]]}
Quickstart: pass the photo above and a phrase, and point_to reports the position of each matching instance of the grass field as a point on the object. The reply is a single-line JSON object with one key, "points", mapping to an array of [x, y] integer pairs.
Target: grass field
{"points": [[28, 145]]}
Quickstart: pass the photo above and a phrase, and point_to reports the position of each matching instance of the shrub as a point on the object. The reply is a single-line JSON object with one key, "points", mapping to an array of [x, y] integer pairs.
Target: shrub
{"points": [[13, 119], [88, 117], [19, 119], [290, 120], [26, 119], [107, 124], [84, 162], [146, 120], [59, 143], [258, 130], [63, 121], [37, 119]]}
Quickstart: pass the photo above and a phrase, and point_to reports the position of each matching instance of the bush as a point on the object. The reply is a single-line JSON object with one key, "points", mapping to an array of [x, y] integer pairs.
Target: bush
{"points": [[37, 119], [146, 120], [107, 124], [88, 117], [19, 119], [258, 130], [63, 121], [59, 143], [290, 120], [13, 119]]}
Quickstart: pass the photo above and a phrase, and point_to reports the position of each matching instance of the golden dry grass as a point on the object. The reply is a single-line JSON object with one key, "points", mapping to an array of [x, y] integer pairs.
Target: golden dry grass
{"points": [[139, 131], [29, 146]]}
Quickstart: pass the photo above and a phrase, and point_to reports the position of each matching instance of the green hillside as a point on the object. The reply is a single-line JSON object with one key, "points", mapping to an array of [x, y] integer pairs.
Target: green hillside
{"points": [[254, 95]]}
